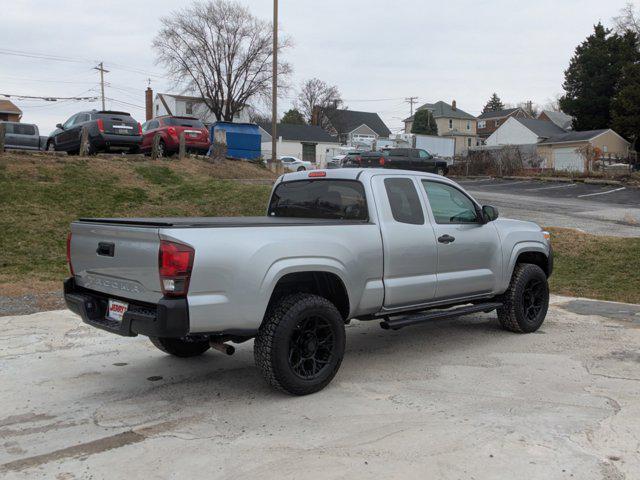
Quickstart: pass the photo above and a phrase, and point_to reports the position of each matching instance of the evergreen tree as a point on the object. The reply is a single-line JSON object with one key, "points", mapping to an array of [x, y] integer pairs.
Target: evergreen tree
{"points": [[592, 76], [424, 123], [625, 106], [494, 104], [293, 117]]}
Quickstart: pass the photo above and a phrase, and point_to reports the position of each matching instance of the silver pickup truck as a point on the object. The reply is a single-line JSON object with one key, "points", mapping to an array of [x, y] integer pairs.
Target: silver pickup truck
{"points": [[395, 246]]}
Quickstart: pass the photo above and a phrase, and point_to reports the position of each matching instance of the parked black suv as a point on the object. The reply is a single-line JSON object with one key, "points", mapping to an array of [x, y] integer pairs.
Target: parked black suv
{"points": [[108, 131]]}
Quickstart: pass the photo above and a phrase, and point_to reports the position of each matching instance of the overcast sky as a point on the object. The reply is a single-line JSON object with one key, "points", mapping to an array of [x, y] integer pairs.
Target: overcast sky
{"points": [[377, 52]]}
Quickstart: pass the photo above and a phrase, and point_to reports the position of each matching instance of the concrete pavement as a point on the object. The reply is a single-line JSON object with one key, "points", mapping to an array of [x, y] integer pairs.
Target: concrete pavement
{"points": [[454, 399]]}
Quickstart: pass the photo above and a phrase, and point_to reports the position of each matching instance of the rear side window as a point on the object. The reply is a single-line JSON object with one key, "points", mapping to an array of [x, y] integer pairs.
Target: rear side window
{"points": [[404, 200], [21, 129], [333, 199], [119, 117], [184, 122]]}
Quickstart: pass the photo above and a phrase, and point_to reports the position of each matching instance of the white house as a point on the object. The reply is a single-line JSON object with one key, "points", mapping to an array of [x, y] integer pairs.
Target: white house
{"points": [[306, 142], [183, 105], [523, 131]]}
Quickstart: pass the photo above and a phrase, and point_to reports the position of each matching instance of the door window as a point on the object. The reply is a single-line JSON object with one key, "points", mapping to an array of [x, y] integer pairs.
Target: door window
{"points": [[404, 200], [69, 122], [423, 154], [448, 204]]}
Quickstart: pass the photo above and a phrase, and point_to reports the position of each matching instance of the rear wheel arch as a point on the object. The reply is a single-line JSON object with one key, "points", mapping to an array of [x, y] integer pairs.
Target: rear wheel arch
{"points": [[323, 283]]}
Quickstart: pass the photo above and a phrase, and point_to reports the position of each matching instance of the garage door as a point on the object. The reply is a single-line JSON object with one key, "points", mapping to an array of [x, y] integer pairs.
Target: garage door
{"points": [[568, 159]]}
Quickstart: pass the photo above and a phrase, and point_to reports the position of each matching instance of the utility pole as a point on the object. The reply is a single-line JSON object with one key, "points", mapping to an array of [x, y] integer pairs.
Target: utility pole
{"points": [[411, 101], [274, 93], [102, 71]]}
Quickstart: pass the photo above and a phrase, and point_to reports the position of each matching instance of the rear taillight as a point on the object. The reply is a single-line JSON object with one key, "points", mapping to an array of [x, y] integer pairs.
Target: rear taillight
{"points": [[139, 129], [382, 161], [175, 261], [317, 173], [100, 124], [172, 131], [69, 254]]}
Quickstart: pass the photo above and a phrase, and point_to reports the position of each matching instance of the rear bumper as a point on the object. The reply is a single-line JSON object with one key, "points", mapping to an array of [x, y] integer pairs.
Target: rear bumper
{"points": [[169, 318], [107, 140]]}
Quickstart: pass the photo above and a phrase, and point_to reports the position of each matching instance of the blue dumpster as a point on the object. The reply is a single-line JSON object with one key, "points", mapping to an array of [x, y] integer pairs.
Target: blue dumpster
{"points": [[243, 139]]}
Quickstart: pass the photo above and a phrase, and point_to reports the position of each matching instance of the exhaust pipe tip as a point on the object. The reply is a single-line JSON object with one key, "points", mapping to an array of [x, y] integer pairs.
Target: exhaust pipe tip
{"points": [[223, 348]]}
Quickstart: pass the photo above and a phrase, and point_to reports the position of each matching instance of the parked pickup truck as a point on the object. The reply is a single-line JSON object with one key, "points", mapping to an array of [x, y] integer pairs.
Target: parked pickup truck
{"points": [[414, 159], [389, 245], [21, 136]]}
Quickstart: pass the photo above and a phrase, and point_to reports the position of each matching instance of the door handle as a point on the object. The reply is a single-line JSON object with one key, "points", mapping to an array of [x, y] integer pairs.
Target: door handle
{"points": [[446, 239]]}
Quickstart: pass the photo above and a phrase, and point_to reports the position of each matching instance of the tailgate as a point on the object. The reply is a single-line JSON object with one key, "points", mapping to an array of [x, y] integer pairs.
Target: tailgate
{"points": [[118, 260]]}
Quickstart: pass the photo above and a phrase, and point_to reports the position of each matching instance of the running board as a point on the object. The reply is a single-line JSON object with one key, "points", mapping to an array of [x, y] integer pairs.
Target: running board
{"points": [[396, 324]]}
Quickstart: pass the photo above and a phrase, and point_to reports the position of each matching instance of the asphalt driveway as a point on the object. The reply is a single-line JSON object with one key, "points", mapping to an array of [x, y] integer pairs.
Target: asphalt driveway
{"points": [[598, 209], [449, 399]]}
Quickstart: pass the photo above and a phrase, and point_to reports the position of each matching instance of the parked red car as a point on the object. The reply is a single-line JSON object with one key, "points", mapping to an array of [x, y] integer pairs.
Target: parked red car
{"points": [[170, 127]]}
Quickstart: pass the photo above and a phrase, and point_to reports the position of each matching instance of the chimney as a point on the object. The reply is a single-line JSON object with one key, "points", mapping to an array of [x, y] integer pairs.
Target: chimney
{"points": [[453, 105], [148, 104]]}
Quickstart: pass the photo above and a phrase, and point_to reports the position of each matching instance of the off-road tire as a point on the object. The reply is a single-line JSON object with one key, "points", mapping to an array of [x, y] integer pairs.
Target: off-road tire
{"points": [[181, 347], [512, 314], [272, 346]]}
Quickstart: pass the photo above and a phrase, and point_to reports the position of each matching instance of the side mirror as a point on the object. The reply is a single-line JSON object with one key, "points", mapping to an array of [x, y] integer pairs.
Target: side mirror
{"points": [[489, 213], [59, 125]]}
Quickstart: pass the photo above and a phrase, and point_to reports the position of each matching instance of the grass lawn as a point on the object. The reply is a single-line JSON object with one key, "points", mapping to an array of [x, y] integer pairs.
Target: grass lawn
{"points": [[605, 268], [40, 196]]}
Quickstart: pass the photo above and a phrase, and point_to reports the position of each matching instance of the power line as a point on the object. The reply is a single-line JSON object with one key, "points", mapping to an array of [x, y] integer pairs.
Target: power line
{"points": [[48, 99]]}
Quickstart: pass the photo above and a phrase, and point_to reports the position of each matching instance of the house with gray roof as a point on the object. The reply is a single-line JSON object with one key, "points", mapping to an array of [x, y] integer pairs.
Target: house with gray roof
{"points": [[488, 122], [558, 148], [353, 127], [561, 119], [452, 122], [306, 142], [523, 131]]}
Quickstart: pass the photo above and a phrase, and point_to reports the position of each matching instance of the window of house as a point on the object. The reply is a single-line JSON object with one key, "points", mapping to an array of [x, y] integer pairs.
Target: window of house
{"points": [[404, 201], [468, 142], [468, 125], [448, 204], [605, 149], [450, 124], [188, 108], [482, 124]]}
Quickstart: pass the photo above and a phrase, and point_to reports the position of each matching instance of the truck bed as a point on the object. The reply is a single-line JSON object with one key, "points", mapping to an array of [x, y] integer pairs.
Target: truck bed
{"points": [[221, 222]]}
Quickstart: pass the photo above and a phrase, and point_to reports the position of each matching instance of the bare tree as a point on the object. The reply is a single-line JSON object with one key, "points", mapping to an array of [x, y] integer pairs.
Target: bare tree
{"points": [[553, 104], [628, 20], [220, 52], [317, 93]]}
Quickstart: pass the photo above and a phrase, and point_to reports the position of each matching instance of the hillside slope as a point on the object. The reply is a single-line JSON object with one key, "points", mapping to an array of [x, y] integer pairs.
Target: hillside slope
{"points": [[40, 195]]}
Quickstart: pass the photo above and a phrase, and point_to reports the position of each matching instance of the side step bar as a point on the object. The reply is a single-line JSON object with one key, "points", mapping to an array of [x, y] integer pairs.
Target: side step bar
{"points": [[398, 323]]}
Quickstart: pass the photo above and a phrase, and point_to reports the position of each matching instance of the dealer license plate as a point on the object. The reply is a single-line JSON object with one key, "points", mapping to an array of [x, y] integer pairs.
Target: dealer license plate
{"points": [[116, 309]]}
